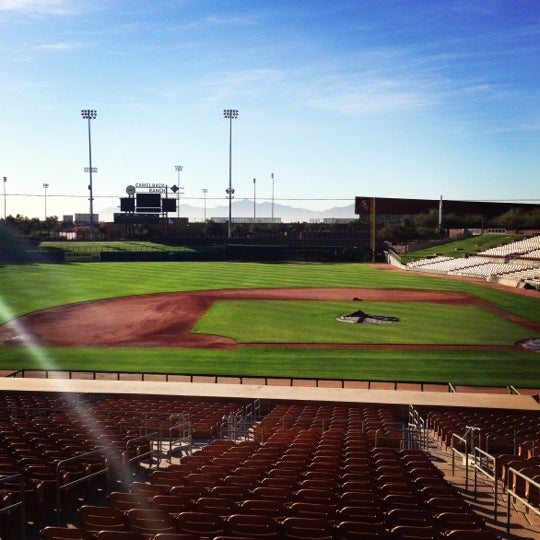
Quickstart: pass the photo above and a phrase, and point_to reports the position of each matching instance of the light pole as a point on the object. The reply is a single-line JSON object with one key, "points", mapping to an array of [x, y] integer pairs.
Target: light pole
{"points": [[5, 204], [205, 191], [45, 186], [90, 114], [254, 199], [230, 114], [272, 197], [178, 169]]}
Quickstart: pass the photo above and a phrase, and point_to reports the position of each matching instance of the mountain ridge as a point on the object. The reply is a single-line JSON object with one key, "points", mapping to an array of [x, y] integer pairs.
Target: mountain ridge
{"points": [[244, 209]]}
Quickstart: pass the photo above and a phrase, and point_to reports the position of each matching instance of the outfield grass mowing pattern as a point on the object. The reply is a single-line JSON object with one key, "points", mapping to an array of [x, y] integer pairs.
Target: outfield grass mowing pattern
{"points": [[24, 289]]}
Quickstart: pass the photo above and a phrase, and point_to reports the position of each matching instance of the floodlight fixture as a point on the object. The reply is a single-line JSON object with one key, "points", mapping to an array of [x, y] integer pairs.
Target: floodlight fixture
{"points": [[89, 114], [230, 113]]}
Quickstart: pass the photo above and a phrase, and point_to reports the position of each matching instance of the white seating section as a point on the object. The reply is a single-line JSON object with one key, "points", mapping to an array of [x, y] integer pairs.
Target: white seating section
{"points": [[521, 247], [518, 261]]}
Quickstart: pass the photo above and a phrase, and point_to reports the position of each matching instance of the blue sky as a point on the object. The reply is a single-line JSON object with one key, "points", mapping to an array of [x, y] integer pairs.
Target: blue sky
{"points": [[379, 98]]}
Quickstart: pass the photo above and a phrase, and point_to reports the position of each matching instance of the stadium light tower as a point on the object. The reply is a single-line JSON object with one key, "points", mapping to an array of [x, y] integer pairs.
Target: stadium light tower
{"points": [[230, 114], [272, 197], [5, 204], [254, 199], [45, 186], [178, 169], [90, 114], [205, 191]]}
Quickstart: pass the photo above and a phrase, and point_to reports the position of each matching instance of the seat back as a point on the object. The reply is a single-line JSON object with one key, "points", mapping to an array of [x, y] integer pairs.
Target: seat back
{"points": [[63, 533], [354, 530], [96, 518], [294, 528], [200, 523], [252, 526], [149, 520]]}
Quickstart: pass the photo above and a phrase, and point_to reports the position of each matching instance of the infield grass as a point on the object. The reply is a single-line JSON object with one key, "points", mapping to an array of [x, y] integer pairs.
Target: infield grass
{"points": [[279, 321], [28, 288]]}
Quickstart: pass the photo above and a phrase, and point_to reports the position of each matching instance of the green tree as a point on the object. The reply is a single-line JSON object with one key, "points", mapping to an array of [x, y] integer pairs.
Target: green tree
{"points": [[513, 219]]}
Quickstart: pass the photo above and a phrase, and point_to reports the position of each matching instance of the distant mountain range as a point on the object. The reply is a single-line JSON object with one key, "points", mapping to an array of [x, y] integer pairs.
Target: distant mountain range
{"points": [[244, 209]]}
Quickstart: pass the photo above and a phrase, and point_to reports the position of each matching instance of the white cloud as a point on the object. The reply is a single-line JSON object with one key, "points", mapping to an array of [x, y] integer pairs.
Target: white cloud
{"points": [[244, 83], [61, 46], [370, 97], [241, 20], [37, 7]]}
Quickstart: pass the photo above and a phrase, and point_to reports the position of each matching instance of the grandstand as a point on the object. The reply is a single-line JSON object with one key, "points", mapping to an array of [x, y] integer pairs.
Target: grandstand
{"points": [[141, 460], [516, 264]]}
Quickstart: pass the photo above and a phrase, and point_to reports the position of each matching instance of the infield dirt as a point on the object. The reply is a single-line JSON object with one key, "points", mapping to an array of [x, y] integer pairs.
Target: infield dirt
{"points": [[165, 320]]}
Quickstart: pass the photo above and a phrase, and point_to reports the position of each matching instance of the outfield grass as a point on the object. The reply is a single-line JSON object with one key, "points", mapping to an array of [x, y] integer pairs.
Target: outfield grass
{"points": [[24, 289], [278, 321], [480, 368], [73, 246], [28, 288]]}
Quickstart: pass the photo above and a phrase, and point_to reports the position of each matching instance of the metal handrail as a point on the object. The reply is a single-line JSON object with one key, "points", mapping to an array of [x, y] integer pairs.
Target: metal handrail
{"points": [[253, 408], [512, 493], [480, 457], [183, 427], [464, 455], [240, 377], [20, 504], [397, 426], [236, 430], [61, 487], [417, 425], [150, 453]]}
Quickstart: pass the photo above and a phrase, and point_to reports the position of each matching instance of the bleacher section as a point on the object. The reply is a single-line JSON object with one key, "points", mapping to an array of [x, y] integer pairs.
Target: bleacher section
{"points": [[516, 264], [90, 467], [515, 249]]}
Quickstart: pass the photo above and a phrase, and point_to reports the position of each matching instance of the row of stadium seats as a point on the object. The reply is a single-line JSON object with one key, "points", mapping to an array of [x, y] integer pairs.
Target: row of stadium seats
{"points": [[497, 432], [521, 247], [205, 415], [208, 526], [307, 416], [493, 269], [323, 482]]}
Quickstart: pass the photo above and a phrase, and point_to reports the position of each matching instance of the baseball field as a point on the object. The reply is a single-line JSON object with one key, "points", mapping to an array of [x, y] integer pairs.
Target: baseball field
{"points": [[258, 319]]}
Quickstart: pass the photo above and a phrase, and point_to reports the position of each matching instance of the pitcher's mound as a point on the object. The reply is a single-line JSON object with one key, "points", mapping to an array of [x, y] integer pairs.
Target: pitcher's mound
{"points": [[361, 317]]}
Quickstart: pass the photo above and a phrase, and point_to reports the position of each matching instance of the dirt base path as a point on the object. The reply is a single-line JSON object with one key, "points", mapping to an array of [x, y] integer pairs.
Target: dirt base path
{"points": [[165, 320]]}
